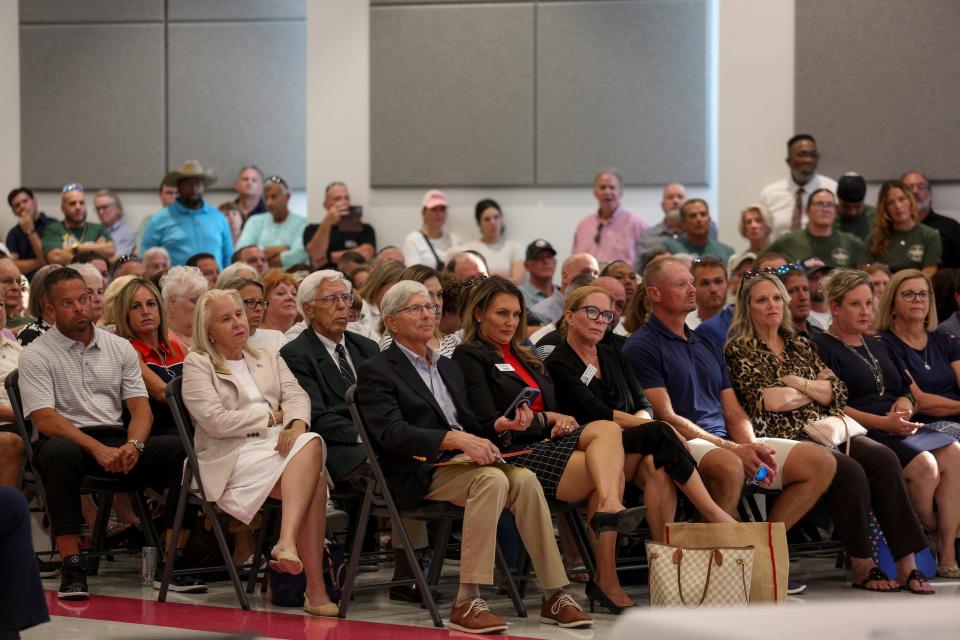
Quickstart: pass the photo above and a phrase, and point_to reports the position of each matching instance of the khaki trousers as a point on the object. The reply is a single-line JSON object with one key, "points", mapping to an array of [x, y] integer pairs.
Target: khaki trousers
{"points": [[483, 492]]}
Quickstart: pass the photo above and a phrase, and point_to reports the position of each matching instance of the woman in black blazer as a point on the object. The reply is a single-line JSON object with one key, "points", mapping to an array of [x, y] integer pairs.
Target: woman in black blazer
{"points": [[572, 462]]}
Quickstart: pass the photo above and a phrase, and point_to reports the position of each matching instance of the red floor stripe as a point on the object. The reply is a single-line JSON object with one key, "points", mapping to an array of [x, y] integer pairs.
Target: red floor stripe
{"points": [[200, 617]]}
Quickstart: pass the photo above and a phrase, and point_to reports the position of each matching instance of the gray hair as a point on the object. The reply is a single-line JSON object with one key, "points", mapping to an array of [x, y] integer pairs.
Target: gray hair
{"points": [[309, 285], [182, 282], [233, 272], [155, 251], [86, 270], [398, 295]]}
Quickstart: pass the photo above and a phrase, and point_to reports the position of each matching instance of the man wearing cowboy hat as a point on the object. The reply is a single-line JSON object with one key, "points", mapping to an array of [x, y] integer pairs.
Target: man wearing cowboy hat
{"points": [[189, 225]]}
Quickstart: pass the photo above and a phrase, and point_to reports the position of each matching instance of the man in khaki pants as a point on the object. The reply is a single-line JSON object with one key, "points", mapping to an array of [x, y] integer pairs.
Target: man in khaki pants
{"points": [[417, 412]]}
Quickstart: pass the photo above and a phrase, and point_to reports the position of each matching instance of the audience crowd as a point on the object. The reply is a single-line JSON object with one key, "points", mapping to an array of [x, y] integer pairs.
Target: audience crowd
{"points": [[658, 359]]}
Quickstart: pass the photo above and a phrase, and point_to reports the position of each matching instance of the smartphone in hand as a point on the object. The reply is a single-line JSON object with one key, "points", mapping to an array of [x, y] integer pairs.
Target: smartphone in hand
{"points": [[527, 396]]}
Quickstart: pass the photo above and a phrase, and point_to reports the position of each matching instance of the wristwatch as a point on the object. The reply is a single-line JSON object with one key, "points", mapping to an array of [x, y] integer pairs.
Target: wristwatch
{"points": [[138, 444]]}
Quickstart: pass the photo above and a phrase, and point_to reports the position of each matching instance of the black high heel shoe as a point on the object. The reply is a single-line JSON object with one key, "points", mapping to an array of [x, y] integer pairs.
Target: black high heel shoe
{"points": [[625, 521], [595, 593]]}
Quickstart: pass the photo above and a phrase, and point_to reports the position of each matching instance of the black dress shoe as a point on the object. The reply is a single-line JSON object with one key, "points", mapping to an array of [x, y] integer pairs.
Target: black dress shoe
{"points": [[410, 593]]}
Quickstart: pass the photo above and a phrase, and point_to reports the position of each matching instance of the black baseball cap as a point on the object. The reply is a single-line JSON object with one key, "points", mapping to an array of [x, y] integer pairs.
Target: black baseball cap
{"points": [[537, 246]]}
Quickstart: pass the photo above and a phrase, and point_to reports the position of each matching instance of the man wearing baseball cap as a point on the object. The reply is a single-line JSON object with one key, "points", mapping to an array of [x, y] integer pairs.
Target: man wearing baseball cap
{"points": [[189, 225], [853, 214], [541, 264], [816, 269]]}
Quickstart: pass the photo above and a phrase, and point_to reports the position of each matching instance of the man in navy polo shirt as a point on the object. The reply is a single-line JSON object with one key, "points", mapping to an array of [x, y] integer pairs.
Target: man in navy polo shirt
{"points": [[685, 378]]}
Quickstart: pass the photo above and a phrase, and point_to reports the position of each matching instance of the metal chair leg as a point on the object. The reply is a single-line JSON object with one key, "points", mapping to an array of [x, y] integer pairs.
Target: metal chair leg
{"points": [[353, 565], [227, 556], [259, 549], [100, 533], [511, 585], [171, 553]]}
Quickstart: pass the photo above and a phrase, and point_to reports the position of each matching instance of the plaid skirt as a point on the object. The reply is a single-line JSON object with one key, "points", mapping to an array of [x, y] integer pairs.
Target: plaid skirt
{"points": [[547, 459]]}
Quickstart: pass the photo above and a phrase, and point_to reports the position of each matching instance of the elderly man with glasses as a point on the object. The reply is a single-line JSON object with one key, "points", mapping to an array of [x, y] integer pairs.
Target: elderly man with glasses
{"points": [[63, 240]]}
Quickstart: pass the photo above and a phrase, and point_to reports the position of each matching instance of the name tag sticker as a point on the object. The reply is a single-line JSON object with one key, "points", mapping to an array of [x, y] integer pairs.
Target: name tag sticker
{"points": [[588, 374], [506, 367]]}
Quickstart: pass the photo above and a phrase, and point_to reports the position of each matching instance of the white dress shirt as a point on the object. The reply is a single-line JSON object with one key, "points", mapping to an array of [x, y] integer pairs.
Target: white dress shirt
{"points": [[780, 197]]}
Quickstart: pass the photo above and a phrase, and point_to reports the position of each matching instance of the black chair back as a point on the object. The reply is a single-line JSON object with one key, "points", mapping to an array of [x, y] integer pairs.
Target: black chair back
{"points": [[185, 429], [380, 481], [24, 426]]}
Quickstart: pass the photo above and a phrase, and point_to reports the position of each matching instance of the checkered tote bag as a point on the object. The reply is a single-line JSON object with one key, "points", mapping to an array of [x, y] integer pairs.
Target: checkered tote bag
{"points": [[699, 577]]}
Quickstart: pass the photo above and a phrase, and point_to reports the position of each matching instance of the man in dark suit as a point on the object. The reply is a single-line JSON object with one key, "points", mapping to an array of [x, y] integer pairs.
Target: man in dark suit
{"points": [[417, 411]]}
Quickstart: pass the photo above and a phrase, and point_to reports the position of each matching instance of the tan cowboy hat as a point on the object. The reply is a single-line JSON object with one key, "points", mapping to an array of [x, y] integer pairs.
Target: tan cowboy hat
{"points": [[191, 169]]}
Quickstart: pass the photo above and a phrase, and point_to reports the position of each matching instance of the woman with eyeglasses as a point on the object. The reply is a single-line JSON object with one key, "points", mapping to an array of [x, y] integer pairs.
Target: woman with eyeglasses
{"points": [[180, 288], [594, 382], [880, 399], [279, 234], [783, 385], [428, 277], [253, 296], [572, 462], [819, 238], [898, 240]]}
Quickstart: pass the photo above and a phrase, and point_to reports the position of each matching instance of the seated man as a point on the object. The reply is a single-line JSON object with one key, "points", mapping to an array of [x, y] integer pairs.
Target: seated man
{"points": [[685, 378], [467, 265], [550, 309], [418, 411], [75, 381], [61, 240], [341, 230], [253, 256], [280, 234], [11, 444], [710, 278]]}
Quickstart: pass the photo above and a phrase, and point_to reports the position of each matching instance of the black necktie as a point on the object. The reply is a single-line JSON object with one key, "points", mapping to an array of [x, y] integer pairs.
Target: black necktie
{"points": [[345, 369]]}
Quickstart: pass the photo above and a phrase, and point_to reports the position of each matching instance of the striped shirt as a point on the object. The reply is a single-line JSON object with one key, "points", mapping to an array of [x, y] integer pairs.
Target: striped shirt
{"points": [[86, 384]]}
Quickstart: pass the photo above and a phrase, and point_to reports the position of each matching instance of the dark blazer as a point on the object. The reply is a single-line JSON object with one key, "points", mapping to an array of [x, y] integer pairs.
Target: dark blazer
{"points": [[492, 391], [405, 420], [320, 377]]}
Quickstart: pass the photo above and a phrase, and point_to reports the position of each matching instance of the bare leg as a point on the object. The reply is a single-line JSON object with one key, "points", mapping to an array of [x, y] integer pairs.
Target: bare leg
{"points": [[948, 503], [659, 495], [297, 493], [723, 475], [922, 475], [695, 490], [11, 455], [602, 444], [806, 475], [310, 542]]}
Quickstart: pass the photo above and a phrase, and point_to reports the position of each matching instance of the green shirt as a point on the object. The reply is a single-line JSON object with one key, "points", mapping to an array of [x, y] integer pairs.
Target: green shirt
{"points": [[58, 236], [712, 248], [915, 249], [861, 226], [839, 249]]}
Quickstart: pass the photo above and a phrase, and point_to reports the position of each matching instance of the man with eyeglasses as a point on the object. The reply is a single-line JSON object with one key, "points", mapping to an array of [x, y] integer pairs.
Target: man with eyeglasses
{"points": [[12, 291], [696, 240], [820, 237], [63, 240], [24, 240], [785, 198], [611, 232], [341, 230], [949, 228]]}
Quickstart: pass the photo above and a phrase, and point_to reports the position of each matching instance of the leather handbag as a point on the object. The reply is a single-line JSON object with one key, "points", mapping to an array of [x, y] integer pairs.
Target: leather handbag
{"points": [[833, 431], [699, 577]]}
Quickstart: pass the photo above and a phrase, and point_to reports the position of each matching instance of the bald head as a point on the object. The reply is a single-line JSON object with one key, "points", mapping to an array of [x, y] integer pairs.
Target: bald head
{"points": [[617, 294], [575, 265]]}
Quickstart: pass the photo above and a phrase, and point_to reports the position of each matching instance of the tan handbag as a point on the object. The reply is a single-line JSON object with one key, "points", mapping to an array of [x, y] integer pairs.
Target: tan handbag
{"points": [[694, 577], [771, 562], [833, 431]]}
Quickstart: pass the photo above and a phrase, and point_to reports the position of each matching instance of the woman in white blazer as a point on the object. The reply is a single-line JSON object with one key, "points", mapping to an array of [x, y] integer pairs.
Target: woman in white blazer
{"points": [[253, 440]]}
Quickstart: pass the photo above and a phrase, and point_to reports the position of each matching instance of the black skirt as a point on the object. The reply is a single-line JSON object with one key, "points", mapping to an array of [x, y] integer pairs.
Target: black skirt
{"points": [[548, 459], [907, 448]]}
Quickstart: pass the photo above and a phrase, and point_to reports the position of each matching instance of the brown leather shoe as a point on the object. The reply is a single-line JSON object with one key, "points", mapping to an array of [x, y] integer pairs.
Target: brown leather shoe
{"points": [[564, 611], [475, 617]]}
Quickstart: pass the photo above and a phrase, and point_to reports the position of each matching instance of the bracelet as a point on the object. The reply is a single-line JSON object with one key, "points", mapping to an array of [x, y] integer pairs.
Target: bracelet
{"points": [[806, 385]]}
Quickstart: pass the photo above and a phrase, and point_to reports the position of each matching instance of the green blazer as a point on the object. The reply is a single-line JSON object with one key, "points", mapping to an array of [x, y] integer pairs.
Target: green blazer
{"points": [[320, 377]]}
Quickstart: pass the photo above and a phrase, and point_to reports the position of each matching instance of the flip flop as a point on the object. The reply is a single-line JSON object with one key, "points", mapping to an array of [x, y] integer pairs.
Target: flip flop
{"points": [[875, 575], [919, 577]]}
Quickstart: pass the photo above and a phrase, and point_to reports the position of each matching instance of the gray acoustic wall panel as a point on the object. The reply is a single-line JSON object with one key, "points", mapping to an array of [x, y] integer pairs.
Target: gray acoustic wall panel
{"points": [[876, 83], [451, 95], [92, 105], [622, 85], [205, 10], [375, 3], [65, 11], [238, 95]]}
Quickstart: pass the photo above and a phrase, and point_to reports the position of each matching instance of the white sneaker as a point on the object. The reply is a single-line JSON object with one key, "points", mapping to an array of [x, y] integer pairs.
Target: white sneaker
{"points": [[337, 519]]}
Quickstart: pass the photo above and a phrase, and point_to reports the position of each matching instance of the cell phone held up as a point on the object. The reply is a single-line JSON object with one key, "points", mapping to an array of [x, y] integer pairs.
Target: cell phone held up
{"points": [[352, 220], [527, 396]]}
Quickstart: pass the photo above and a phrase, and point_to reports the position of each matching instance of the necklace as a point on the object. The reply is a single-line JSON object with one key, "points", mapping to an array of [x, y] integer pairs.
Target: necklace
{"points": [[926, 349], [872, 363]]}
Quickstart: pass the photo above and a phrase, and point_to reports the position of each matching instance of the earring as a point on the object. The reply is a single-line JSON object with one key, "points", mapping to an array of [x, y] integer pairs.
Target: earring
{"points": [[211, 339]]}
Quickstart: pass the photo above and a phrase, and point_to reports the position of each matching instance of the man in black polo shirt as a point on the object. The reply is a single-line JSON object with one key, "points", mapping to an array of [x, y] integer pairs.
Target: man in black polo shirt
{"points": [[339, 231], [948, 227], [24, 240]]}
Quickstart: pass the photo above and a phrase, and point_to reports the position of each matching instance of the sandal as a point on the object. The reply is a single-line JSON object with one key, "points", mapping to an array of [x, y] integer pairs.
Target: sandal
{"points": [[952, 572], [875, 575], [285, 561], [919, 577]]}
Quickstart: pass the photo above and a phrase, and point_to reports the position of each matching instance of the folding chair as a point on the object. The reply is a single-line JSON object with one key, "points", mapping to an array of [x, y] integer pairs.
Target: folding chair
{"points": [[106, 487], [377, 499]]}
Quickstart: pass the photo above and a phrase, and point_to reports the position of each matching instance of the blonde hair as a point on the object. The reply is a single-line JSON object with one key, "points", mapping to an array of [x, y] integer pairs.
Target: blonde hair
{"points": [[886, 310], [840, 282], [123, 302], [573, 301], [110, 295], [742, 330], [201, 322], [764, 212], [382, 275]]}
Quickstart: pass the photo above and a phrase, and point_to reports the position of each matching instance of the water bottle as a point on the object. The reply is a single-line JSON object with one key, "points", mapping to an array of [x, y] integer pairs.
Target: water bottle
{"points": [[149, 565], [762, 474]]}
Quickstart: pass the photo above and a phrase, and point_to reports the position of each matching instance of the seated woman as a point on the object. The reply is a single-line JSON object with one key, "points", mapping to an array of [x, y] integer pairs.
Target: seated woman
{"points": [[572, 462], [594, 382], [181, 287], [36, 306], [253, 295], [898, 239], [384, 275], [253, 439], [879, 399], [94, 280], [783, 385], [141, 319], [428, 277], [907, 322], [281, 291]]}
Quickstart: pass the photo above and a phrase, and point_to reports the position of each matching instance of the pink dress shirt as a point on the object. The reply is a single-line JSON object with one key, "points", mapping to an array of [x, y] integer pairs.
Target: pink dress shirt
{"points": [[618, 236]]}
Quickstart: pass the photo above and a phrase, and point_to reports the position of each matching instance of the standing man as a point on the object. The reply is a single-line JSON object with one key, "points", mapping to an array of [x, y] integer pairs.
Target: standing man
{"points": [[853, 214], [696, 240], [249, 188], [541, 264], [611, 232], [63, 240], [785, 198], [674, 195], [189, 225], [25, 240], [820, 238], [328, 241], [948, 227]]}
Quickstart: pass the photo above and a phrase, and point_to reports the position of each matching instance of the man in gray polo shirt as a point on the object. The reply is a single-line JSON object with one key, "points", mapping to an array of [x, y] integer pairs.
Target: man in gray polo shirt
{"points": [[75, 381]]}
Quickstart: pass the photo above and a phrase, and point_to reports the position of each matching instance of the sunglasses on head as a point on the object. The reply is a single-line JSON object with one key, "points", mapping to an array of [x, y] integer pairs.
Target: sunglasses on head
{"points": [[73, 186], [775, 271]]}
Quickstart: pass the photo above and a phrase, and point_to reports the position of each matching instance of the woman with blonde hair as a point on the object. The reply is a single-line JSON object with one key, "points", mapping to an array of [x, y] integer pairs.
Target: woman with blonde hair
{"points": [[384, 275], [253, 440], [756, 225], [898, 240]]}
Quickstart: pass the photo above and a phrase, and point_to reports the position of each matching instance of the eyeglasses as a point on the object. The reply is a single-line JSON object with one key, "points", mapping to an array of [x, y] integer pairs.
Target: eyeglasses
{"points": [[104, 207], [73, 186], [593, 313], [418, 309], [826, 206], [910, 295], [774, 271], [596, 238], [253, 303], [331, 300]]}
